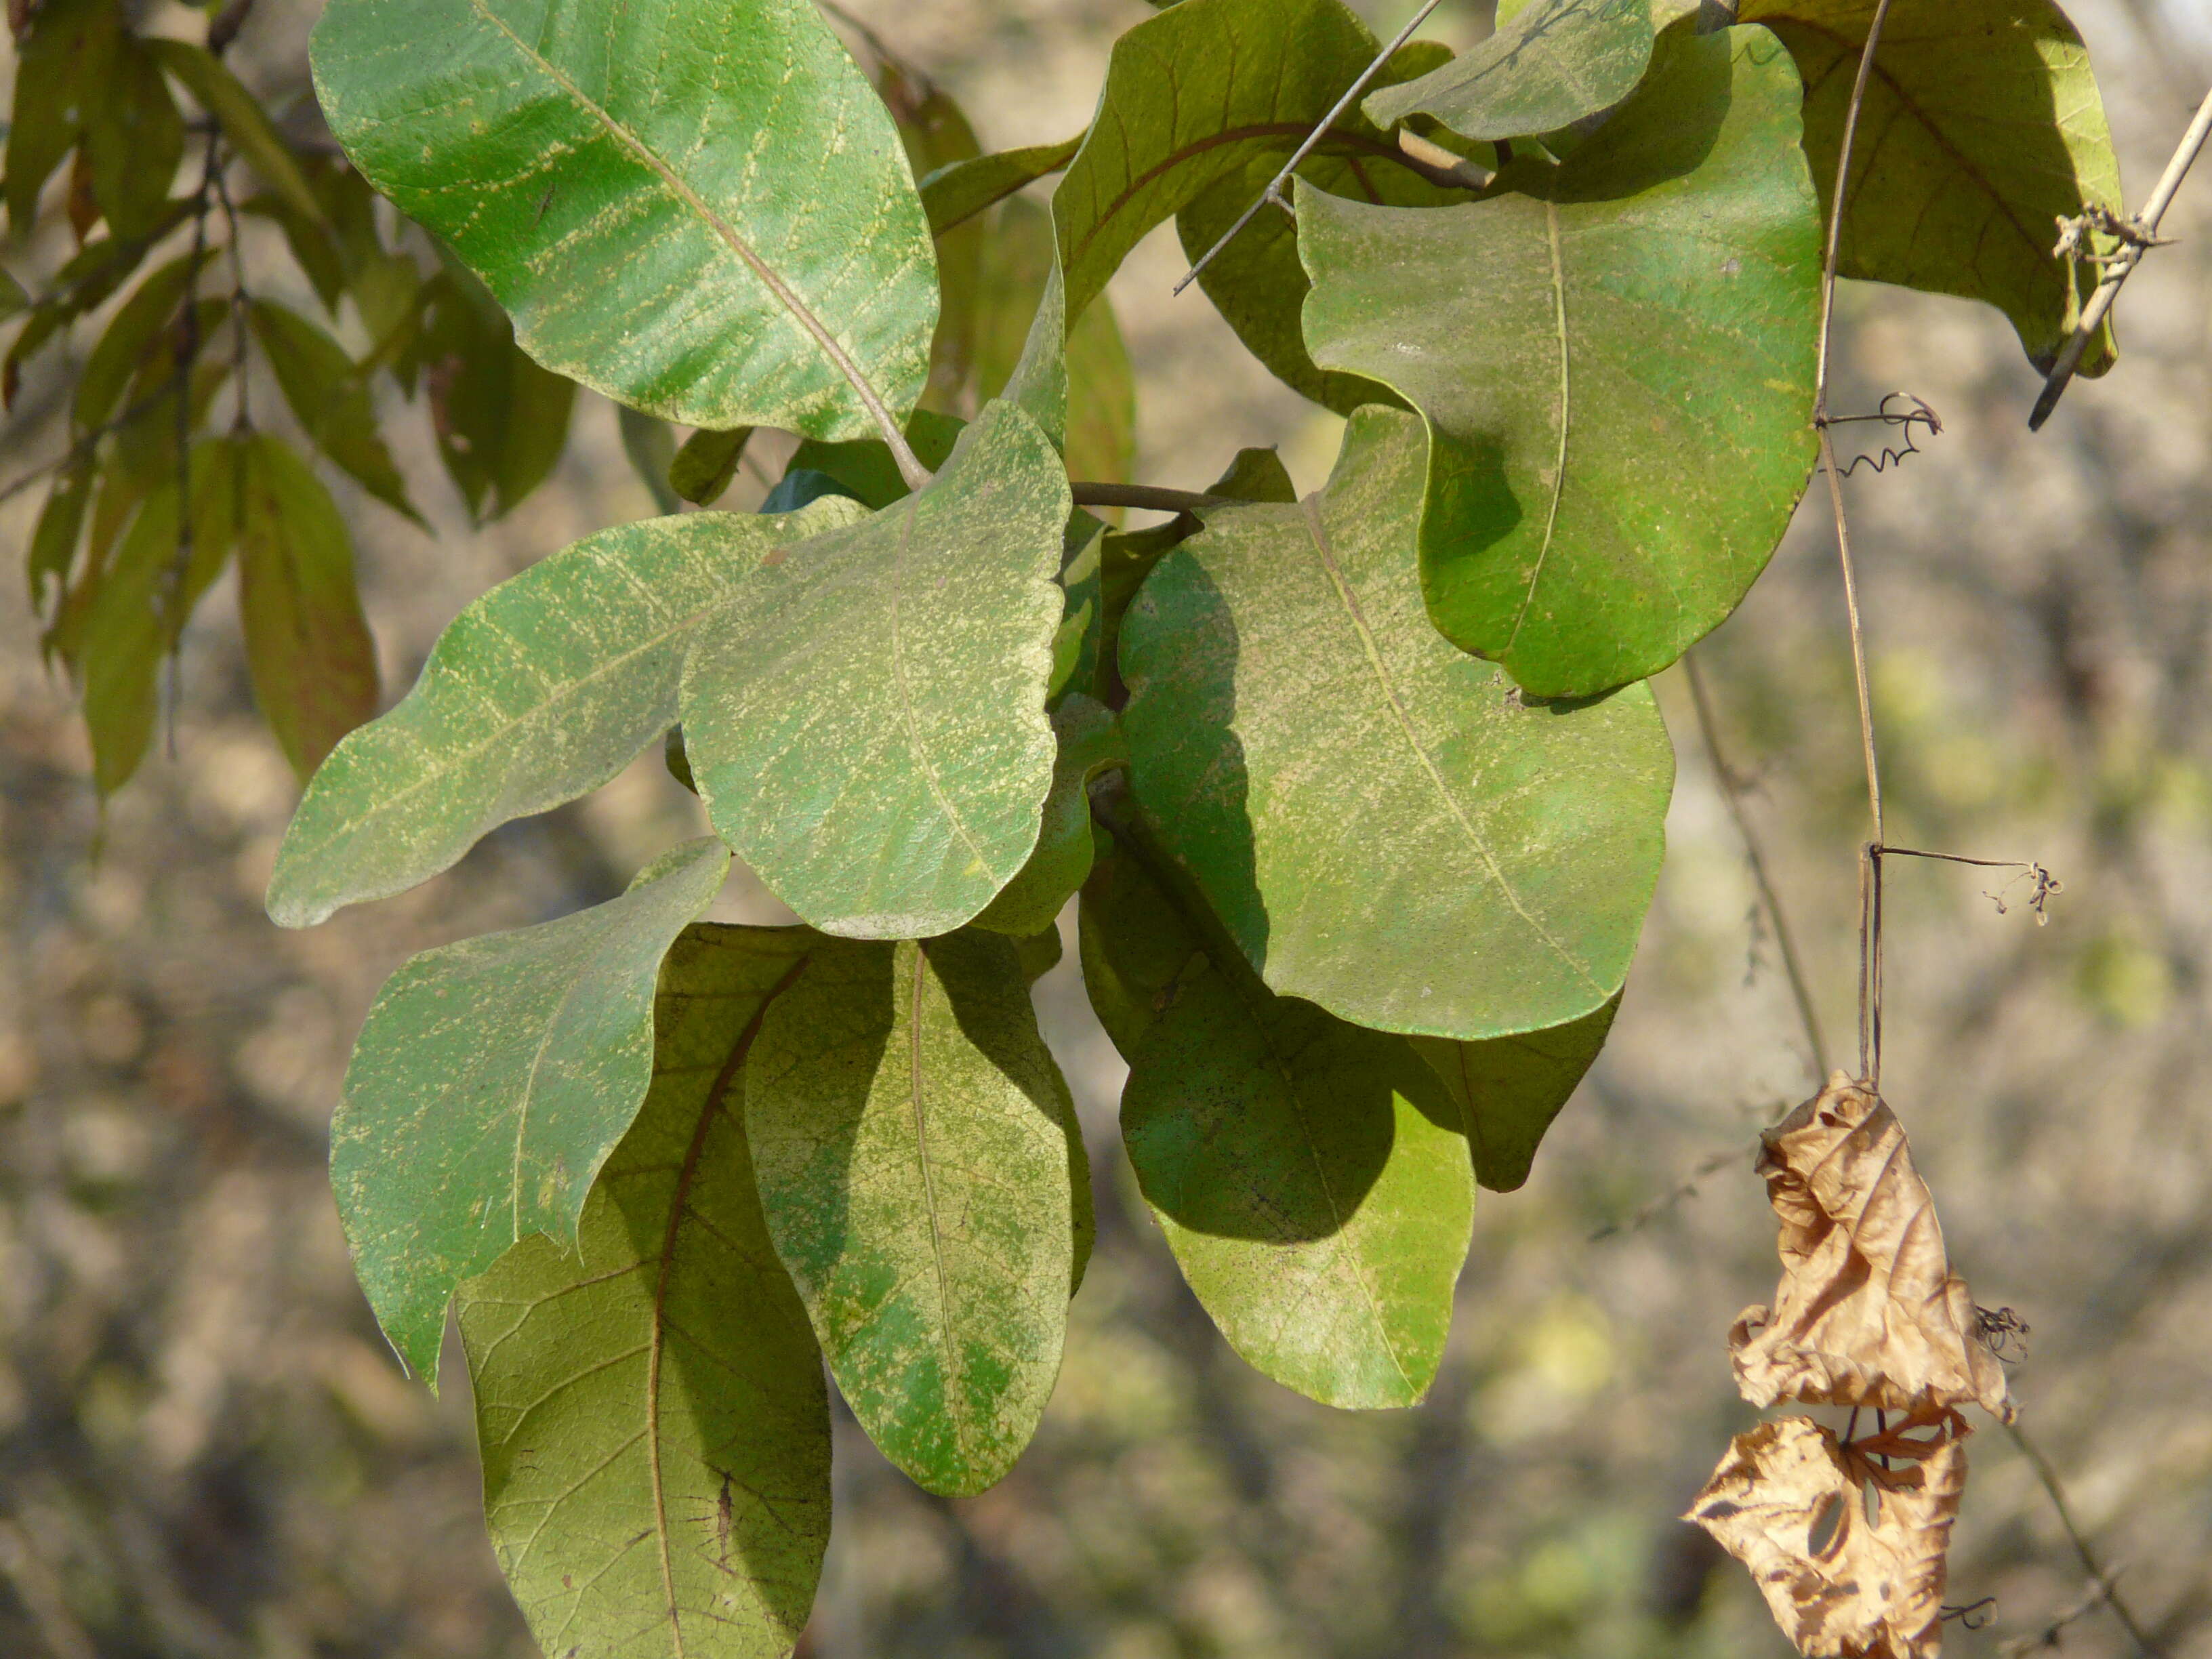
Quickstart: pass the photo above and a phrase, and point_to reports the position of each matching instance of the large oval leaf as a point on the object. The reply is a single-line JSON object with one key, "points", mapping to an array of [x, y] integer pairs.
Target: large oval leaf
{"points": [[1620, 434], [536, 693], [1382, 824], [701, 209], [651, 1409], [920, 1166], [1982, 127], [490, 1081], [1306, 1172], [866, 716]]}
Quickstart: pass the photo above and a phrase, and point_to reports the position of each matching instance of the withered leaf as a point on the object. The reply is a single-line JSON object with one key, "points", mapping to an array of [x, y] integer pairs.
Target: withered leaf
{"points": [[1868, 1312], [1849, 1555]]}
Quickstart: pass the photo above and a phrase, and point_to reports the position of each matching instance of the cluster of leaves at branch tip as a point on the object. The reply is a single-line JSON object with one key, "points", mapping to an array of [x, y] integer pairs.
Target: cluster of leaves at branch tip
{"points": [[1848, 1538], [1360, 797]]}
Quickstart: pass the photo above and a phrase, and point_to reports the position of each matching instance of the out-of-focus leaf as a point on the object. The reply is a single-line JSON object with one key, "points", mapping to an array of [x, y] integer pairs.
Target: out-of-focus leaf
{"points": [[959, 190], [63, 67], [866, 716], [704, 467], [501, 421], [330, 397], [1552, 64], [130, 335], [918, 1160], [1982, 126], [307, 646], [1509, 1089], [1299, 1166], [937, 134], [1214, 90], [244, 122], [510, 132], [538, 692], [651, 447], [1382, 824], [53, 540], [312, 246], [14, 301], [1090, 740], [491, 1080], [134, 139], [93, 273], [655, 1427], [1616, 449], [864, 467]]}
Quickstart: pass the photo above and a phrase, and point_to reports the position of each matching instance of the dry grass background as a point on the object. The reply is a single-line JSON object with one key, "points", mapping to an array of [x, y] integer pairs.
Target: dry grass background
{"points": [[206, 1452]]}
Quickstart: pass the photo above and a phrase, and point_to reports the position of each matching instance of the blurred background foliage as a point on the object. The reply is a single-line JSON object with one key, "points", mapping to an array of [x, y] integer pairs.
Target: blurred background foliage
{"points": [[206, 1452]]}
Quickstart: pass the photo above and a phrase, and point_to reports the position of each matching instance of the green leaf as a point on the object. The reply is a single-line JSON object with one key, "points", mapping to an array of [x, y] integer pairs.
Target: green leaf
{"points": [[1982, 126], [501, 421], [94, 272], [1382, 824], [14, 301], [63, 68], [707, 462], [539, 692], [134, 140], [330, 395], [1089, 741], [654, 1423], [1509, 1089], [651, 447], [936, 133], [918, 1161], [1213, 90], [866, 717], [959, 190], [864, 467], [307, 646], [53, 553], [489, 1083], [130, 336], [624, 182], [240, 114], [1551, 64], [1300, 1166], [1617, 448]]}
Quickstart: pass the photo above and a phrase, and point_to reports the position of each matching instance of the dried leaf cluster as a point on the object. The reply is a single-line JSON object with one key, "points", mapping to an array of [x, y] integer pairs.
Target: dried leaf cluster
{"points": [[1847, 1536]]}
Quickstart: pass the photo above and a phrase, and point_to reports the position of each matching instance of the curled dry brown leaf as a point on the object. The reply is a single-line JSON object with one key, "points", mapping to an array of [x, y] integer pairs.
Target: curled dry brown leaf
{"points": [[1868, 1312], [1849, 1554]]}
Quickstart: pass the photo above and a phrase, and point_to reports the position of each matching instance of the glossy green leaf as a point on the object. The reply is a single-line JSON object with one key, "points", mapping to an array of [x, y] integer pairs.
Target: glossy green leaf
{"points": [[134, 140], [1617, 448], [1090, 739], [1552, 64], [1306, 1172], [1192, 96], [651, 447], [501, 421], [1382, 824], [307, 646], [489, 1083], [244, 124], [654, 1423], [538, 693], [866, 716], [919, 1162], [959, 190], [1509, 1089], [330, 395], [625, 181], [706, 464], [1982, 126]]}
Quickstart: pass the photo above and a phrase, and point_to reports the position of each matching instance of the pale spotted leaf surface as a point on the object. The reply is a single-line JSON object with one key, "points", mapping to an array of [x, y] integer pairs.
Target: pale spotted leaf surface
{"points": [[866, 717], [1384, 826], [536, 693], [701, 209], [1307, 1173], [1616, 450], [1982, 126], [650, 1406], [1551, 63], [923, 1178], [1510, 1089], [489, 1083]]}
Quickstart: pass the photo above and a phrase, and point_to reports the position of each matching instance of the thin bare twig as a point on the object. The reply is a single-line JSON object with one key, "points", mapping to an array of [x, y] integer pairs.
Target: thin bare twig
{"points": [[1274, 189], [1732, 793], [2098, 1576], [1149, 497], [2138, 236]]}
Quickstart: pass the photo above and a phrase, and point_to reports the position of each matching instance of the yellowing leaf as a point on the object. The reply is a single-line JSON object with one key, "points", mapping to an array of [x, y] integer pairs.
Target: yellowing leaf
{"points": [[1868, 1312]]}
